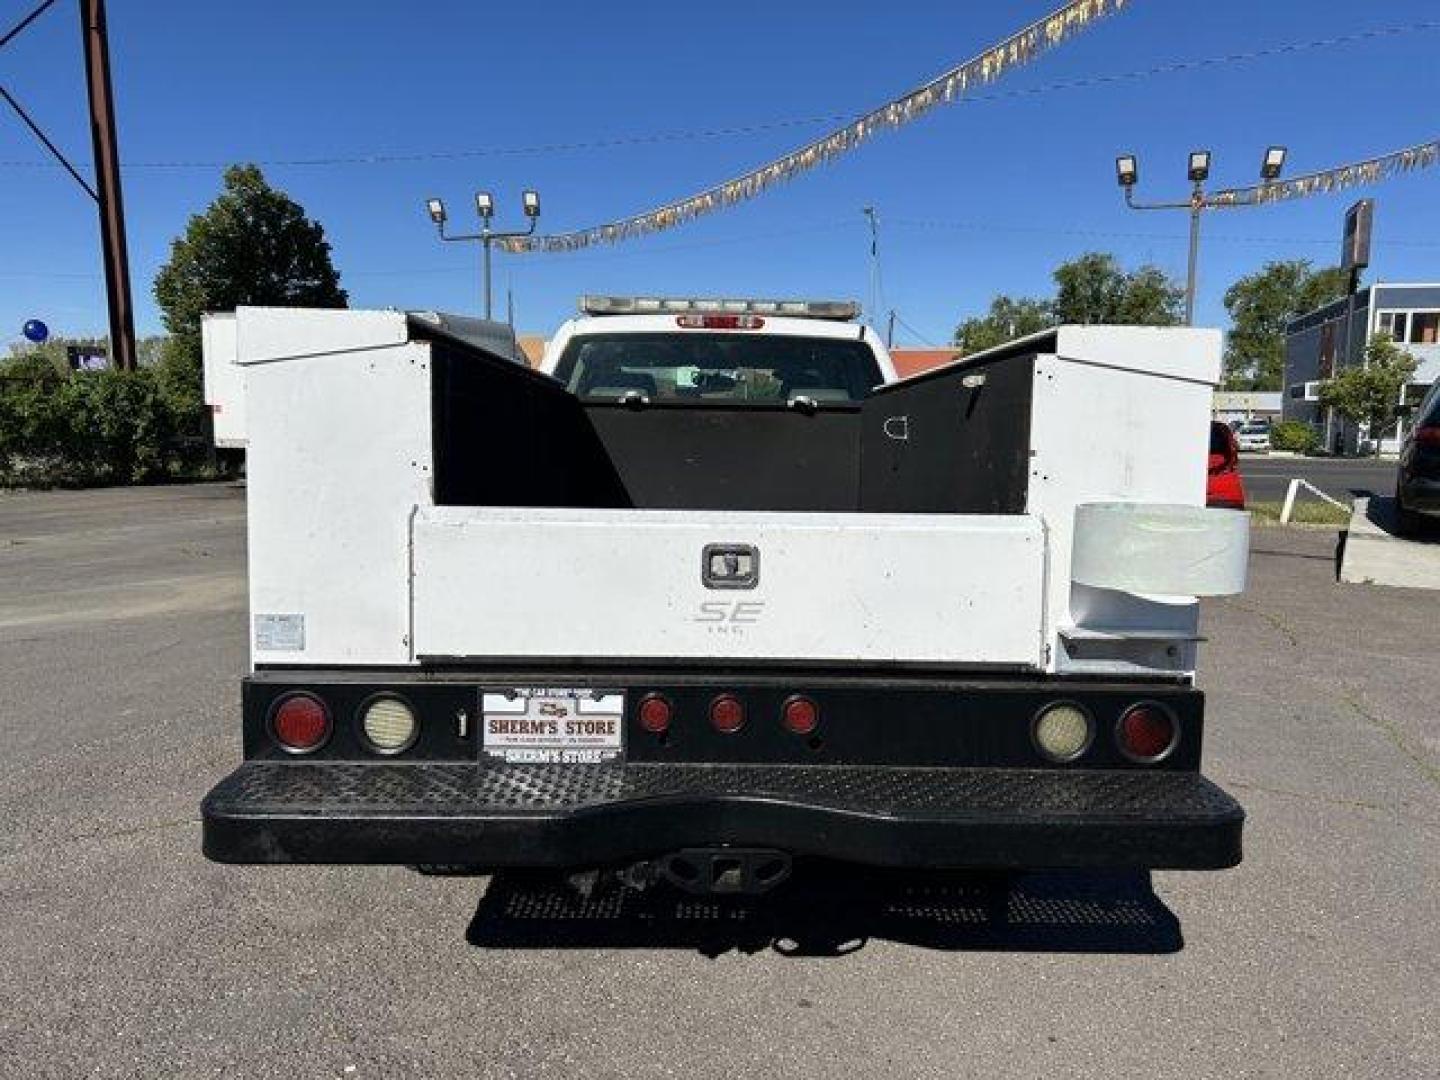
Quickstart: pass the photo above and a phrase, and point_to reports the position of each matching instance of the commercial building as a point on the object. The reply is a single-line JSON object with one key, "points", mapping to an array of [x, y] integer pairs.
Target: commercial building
{"points": [[1229, 406], [1323, 342], [914, 361]]}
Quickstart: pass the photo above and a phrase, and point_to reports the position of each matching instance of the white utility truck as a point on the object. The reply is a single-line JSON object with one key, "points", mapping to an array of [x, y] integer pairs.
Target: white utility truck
{"points": [[714, 590]]}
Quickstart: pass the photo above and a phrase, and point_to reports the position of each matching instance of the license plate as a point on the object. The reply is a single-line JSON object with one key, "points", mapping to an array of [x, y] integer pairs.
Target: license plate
{"points": [[543, 725]]}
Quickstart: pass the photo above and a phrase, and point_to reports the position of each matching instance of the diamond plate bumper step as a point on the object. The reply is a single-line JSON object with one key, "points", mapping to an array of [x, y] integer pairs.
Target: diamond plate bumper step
{"points": [[498, 815]]}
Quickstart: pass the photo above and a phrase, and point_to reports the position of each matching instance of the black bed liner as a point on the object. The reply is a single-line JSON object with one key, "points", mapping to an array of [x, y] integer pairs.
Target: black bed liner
{"points": [[953, 441]]}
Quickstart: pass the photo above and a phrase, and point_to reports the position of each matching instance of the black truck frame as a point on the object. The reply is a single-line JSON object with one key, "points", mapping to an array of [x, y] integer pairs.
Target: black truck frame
{"points": [[913, 769]]}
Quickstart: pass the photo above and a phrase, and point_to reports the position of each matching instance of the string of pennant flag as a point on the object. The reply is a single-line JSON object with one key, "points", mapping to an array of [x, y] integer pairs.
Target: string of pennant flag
{"points": [[1356, 174], [990, 65]]}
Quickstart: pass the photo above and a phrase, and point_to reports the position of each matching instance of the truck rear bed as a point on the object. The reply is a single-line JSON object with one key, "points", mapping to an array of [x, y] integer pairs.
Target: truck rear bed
{"points": [[951, 624]]}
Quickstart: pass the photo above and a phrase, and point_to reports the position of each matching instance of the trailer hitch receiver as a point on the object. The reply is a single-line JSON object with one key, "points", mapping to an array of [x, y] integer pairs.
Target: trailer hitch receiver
{"points": [[726, 870]]}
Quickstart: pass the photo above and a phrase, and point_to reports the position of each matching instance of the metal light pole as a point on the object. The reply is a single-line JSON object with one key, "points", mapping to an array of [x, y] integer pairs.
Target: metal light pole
{"points": [[1197, 207], [869, 212], [1127, 172], [485, 208]]}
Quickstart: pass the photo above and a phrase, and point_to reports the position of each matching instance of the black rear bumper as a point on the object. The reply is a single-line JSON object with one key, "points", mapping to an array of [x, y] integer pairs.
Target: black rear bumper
{"points": [[504, 815]]}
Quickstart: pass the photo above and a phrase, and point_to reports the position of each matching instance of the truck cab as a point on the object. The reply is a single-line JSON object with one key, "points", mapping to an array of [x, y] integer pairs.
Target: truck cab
{"points": [[713, 590], [792, 353]]}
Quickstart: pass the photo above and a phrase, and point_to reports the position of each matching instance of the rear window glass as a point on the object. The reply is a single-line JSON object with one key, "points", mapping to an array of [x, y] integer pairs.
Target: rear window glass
{"points": [[1430, 413], [729, 368], [1219, 438]]}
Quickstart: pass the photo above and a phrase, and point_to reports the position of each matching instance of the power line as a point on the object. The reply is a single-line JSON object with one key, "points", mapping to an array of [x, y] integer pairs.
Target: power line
{"points": [[19, 28], [923, 339], [687, 135], [611, 253], [45, 141], [1024, 46]]}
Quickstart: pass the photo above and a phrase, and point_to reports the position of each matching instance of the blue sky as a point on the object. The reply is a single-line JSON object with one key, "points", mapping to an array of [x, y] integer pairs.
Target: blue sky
{"points": [[978, 198]]}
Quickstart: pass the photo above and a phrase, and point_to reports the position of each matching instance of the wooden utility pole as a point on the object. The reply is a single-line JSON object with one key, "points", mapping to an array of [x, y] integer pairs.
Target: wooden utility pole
{"points": [[107, 185]]}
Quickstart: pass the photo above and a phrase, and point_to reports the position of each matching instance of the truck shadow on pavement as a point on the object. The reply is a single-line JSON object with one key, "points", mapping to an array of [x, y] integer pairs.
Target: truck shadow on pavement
{"points": [[834, 911]]}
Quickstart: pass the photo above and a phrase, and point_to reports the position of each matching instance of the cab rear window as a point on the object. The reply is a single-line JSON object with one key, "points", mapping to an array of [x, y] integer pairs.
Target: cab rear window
{"points": [[1219, 438], [719, 368]]}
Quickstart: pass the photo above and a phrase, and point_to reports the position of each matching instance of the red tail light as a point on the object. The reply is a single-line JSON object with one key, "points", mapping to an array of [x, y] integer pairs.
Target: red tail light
{"points": [[1427, 436], [1147, 732], [800, 715], [300, 722], [719, 322], [727, 714], [655, 713]]}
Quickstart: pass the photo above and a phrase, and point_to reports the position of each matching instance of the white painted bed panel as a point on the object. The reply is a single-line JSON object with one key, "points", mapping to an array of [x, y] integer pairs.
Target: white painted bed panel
{"points": [[224, 380], [267, 334], [844, 587], [1122, 415], [339, 434], [339, 455]]}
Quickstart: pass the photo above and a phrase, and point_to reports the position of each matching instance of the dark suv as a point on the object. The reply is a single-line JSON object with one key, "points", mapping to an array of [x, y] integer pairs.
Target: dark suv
{"points": [[1417, 487]]}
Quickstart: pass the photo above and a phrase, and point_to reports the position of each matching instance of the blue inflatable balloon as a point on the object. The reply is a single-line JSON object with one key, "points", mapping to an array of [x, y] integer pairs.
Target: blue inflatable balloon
{"points": [[36, 331]]}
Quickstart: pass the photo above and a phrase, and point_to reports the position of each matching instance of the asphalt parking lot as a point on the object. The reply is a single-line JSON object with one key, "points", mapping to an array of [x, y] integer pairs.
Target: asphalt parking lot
{"points": [[124, 953], [1267, 476]]}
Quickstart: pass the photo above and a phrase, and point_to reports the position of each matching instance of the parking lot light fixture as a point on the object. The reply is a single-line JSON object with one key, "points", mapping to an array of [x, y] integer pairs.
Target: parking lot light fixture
{"points": [[1273, 165], [486, 237], [1199, 166], [1127, 172]]}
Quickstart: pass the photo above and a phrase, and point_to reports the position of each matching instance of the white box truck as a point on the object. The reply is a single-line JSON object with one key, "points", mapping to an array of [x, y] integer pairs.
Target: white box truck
{"points": [[714, 589]]}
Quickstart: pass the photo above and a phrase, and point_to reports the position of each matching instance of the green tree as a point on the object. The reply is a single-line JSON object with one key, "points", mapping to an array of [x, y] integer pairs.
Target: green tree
{"points": [[1370, 395], [1260, 304], [252, 245], [1095, 288], [1007, 319], [149, 350]]}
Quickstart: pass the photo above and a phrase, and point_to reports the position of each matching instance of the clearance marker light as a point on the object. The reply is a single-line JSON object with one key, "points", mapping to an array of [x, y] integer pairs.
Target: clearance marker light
{"points": [[800, 716], [655, 714], [727, 714]]}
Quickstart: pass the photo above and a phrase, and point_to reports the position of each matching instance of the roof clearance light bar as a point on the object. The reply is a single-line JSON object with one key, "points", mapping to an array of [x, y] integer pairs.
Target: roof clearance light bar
{"points": [[837, 310]]}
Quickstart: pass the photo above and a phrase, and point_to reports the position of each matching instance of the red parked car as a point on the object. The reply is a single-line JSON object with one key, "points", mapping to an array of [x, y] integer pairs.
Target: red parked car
{"points": [[1224, 488]]}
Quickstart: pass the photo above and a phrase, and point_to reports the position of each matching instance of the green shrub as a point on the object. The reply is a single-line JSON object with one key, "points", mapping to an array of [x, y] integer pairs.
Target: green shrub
{"points": [[92, 427], [1296, 436], [116, 426], [30, 425]]}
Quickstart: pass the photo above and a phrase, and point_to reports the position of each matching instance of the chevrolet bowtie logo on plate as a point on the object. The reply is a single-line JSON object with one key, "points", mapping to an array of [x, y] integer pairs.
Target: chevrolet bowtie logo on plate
{"points": [[730, 566]]}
